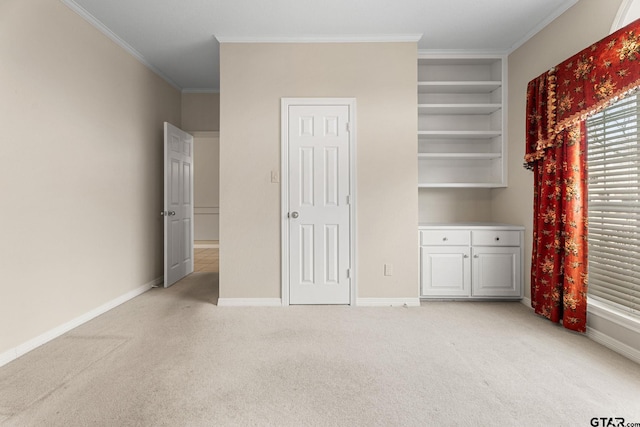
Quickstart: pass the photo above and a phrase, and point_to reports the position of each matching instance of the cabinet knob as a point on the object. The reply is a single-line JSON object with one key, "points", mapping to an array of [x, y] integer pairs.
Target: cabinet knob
{"points": [[476, 256], [466, 256], [444, 239], [497, 238]]}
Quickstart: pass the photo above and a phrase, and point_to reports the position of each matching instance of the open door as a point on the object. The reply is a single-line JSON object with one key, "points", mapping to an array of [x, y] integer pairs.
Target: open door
{"points": [[178, 204]]}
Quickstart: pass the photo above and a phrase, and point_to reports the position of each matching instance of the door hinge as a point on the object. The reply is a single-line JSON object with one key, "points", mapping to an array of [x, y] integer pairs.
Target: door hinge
{"points": [[348, 273], [348, 127], [349, 199]]}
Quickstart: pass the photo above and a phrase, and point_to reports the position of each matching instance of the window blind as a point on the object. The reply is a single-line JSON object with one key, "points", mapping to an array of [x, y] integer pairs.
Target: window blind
{"points": [[613, 158]]}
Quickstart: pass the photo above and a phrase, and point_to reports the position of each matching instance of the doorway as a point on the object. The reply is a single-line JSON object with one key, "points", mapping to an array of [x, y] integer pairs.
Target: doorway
{"points": [[206, 218]]}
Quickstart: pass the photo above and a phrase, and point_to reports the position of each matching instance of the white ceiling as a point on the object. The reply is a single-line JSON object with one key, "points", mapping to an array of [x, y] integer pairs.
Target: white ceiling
{"points": [[177, 38]]}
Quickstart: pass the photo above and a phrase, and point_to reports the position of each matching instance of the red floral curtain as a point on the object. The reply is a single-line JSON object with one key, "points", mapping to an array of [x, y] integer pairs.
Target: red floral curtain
{"points": [[558, 103]]}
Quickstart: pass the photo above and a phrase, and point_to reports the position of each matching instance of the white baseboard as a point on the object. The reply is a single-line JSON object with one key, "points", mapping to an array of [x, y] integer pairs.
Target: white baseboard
{"points": [[526, 301], [277, 302], [613, 344], [36, 342], [388, 302], [598, 309], [607, 312], [249, 302]]}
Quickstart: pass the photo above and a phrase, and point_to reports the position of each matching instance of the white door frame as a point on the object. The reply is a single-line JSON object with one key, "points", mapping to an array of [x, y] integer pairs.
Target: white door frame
{"points": [[284, 187]]}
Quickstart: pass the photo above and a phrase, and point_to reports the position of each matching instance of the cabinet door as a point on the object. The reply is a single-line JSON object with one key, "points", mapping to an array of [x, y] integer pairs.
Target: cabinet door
{"points": [[445, 271], [496, 272]]}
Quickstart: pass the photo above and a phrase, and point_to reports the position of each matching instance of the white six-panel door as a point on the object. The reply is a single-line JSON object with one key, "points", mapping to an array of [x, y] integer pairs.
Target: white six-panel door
{"points": [[178, 204], [318, 211]]}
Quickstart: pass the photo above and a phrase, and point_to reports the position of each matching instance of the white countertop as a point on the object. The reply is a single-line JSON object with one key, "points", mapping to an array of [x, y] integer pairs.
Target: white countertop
{"points": [[470, 225]]}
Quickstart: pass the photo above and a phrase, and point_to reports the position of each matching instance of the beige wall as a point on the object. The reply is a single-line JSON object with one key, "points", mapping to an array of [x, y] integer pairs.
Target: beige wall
{"points": [[200, 111], [382, 77], [206, 185], [81, 172], [454, 205], [586, 22]]}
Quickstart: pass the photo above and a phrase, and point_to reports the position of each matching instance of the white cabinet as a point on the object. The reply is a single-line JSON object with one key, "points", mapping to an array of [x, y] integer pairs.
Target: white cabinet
{"points": [[445, 270], [461, 121], [496, 272], [471, 261]]}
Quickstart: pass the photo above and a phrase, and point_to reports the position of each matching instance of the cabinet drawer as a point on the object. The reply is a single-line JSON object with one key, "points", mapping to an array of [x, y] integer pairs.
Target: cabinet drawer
{"points": [[444, 237], [495, 238]]}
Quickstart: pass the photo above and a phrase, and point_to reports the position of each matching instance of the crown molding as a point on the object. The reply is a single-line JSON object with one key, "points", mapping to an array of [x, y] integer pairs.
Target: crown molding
{"points": [[370, 38], [200, 90], [461, 53], [71, 4], [622, 15], [542, 24]]}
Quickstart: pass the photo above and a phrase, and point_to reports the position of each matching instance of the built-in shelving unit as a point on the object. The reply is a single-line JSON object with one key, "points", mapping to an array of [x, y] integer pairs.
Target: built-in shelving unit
{"points": [[461, 120]]}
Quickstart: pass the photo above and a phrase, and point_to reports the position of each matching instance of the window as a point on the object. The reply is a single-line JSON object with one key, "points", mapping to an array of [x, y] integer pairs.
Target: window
{"points": [[613, 160]]}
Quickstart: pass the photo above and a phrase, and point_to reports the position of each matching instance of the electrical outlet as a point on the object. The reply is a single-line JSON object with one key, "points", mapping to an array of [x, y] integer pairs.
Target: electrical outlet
{"points": [[388, 269], [275, 177]]}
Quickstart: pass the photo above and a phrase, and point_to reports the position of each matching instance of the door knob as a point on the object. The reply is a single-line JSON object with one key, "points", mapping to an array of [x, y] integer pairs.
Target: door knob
{"points": [[165, 213], [172, 213], [295, 215]]}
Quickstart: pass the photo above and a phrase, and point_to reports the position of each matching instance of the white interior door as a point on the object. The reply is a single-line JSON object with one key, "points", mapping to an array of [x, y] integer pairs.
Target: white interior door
{"points": [[319, 214], [178, 204]]}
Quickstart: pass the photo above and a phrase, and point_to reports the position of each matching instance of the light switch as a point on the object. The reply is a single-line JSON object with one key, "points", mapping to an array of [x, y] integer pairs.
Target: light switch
{"points": [[275, 177], [388, 269]]}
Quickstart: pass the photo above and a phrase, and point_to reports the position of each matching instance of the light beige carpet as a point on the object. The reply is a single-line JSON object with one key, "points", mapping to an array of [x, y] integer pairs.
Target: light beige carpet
{"points": [[170, 357]]}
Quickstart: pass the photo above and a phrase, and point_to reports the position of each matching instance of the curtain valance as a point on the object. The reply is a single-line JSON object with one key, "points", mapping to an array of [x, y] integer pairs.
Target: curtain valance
{"points": [[582, 85]]}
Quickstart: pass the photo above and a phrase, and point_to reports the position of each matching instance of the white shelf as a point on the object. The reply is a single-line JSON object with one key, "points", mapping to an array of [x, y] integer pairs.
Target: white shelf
{"points": [[459, 156], [461, 120], [460, 185], [458, 87], [458, 134], [461, 109]]}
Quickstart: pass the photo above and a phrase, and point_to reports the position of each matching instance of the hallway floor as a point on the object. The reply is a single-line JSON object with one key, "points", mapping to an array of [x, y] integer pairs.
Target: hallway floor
{"points": [[206, 260]]}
